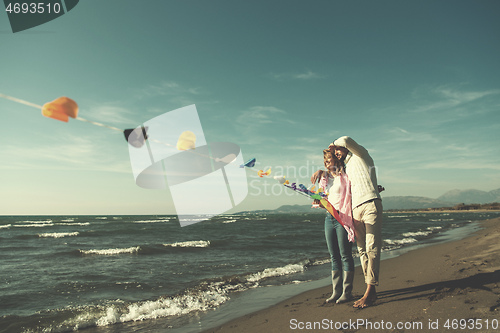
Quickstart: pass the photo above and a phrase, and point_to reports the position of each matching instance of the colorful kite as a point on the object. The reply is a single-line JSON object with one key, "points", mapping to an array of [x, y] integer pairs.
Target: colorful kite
{"points": [[61, 109], [262, 173], [136, 137], [249, 164], [187, 140]]}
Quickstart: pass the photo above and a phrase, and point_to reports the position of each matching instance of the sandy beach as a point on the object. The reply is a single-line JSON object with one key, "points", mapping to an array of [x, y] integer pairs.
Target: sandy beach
{"points": [[452, 286]]}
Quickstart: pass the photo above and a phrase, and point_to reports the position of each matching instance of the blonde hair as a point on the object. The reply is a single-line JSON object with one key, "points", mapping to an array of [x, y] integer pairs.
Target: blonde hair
{"points": [[338, 166]]}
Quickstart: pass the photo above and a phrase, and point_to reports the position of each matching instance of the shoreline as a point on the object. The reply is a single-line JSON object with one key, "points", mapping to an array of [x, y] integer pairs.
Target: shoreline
{"points": [[442, 211], [424, 288]]}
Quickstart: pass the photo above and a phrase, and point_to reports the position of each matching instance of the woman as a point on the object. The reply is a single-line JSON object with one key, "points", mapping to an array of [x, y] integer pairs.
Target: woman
{"points": [[339, 241]]}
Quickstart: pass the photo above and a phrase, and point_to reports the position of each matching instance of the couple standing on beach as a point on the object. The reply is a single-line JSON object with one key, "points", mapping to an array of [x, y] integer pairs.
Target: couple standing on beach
{"points": [[351, 181]]}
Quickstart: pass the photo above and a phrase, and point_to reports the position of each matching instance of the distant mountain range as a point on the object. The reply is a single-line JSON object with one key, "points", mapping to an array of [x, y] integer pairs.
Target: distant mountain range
{"points": [[471, 196], [448, 199]]}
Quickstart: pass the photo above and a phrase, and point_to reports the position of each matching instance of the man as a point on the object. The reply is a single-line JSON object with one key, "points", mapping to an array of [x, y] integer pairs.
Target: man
{"points": [[367, 210]]}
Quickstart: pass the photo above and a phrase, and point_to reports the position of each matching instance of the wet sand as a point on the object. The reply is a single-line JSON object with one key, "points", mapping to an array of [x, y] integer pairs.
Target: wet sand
{"points": [[447, 287]]}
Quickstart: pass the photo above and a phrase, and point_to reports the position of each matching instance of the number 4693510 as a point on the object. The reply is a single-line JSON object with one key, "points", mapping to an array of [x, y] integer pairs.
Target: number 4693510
{"points": [[33, 8], [471, 324]]}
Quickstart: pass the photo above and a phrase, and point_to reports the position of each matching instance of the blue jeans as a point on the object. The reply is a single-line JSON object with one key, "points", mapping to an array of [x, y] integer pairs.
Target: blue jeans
{"points": [[338, 245]]}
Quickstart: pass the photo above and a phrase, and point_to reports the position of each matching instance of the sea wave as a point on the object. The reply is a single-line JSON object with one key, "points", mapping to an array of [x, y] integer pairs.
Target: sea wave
{"points": [[163, 307], [36, 222], [111, 251], [434, 228], [73, 319], [416, 233], [75, 223], [58, 234], [34, 225], [319, 262], [200, 243], [207, 295], [150, 221], [273, 272], [400, 241], [5, 226]]}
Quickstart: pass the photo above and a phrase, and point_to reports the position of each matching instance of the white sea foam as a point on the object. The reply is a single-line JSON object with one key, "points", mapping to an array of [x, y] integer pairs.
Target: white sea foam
{"points": [[200, 243], [209, 297], [213, 295], [273, 272], [434, 228], [229, 221], [36, 222], [38, 225], [164, 307], [416, 233], [400, 241], [111, 251], [440, 220], [148, 221], [58, 234], [321, 262], [5, 226], [68, 220], [74, 223]]}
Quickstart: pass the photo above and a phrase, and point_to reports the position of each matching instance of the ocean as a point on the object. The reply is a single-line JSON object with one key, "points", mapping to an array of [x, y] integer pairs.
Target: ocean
{"points": [[142, 273]]}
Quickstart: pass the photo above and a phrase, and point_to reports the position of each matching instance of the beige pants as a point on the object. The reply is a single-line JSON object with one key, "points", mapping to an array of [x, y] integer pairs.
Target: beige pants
{"points": [[368, 226]]}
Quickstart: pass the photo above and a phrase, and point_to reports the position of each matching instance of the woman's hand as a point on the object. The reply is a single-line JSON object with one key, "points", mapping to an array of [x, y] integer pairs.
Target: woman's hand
{"points": [[316, 176], [318, 202]]}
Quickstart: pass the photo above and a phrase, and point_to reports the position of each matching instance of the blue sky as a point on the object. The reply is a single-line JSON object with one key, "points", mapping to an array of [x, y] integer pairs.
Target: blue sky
{"points": [[416, 83]]}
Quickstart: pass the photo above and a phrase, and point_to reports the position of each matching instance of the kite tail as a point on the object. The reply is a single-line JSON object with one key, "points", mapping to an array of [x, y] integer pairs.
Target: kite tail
{"points": [[345, 209]]}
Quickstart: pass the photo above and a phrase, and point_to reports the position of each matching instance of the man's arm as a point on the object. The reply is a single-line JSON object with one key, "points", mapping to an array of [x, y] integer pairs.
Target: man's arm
{"points": [[351, 145]]}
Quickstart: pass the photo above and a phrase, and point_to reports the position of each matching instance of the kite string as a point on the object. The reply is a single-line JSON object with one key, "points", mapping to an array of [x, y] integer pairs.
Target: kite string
{"points": [[36, 106], [17, 100], [99, 124]]}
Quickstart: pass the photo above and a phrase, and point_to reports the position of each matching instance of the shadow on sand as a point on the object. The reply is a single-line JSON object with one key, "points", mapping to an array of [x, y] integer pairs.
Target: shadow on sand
{"points": [[438, 290]]}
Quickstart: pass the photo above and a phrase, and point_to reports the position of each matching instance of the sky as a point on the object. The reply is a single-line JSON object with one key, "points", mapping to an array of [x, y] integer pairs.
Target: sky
{"points": [[415, 82]]}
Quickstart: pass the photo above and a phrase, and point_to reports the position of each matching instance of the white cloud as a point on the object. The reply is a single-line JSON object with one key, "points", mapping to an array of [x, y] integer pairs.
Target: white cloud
{"points": [[401, 130], [460, 164], [167, 88], [445, 98], [109, 115], [177, 93], [309, 75], [72, 153], [259, 124], [459, 97], [259, 115], [398, 134]]}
